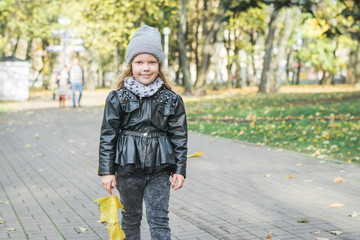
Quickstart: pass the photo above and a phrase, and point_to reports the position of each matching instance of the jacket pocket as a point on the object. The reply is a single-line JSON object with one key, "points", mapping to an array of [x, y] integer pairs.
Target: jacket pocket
{"points": [[132, 110], [164, 111], [130, 106]]}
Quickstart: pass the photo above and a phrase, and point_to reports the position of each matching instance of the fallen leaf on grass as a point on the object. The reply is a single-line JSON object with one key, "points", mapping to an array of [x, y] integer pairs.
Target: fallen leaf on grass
{"points": [[339, 179], [336, 232], [109, 213], [198, 154], [252, 124], [1, 221], [291, 176], [269, 236], [267, 175], [336, 205], [319, 238], [302, 220], [11, 229]]}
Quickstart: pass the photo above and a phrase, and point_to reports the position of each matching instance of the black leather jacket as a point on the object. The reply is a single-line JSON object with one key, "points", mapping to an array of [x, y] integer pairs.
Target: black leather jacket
{"points": [[148, 133]]}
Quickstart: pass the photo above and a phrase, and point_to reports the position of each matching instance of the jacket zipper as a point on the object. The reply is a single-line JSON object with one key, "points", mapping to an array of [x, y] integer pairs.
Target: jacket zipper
{"points": [[148, 132]]}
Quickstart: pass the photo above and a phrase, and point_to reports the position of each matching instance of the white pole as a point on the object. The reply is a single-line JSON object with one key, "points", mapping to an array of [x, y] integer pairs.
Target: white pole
{"points": [[166, 32]]}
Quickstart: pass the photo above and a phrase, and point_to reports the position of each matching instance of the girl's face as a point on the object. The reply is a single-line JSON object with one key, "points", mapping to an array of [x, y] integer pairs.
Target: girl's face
{"points": [[145, 68]]}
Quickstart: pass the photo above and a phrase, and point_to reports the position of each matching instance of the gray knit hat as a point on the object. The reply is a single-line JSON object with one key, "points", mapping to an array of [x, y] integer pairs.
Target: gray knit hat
{"points": [[145, 40]]}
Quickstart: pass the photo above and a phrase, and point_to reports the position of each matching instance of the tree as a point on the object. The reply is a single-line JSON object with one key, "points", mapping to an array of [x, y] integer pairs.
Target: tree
{"points": [[306, 5], [288, 20], [322, 35], [184, 62], [352, 12]]}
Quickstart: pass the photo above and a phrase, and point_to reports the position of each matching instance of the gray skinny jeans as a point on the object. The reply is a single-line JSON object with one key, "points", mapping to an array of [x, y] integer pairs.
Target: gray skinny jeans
{"points": [[155, 190]]}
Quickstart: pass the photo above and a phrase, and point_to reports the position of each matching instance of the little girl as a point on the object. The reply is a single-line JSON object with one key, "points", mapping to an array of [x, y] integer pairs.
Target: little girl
{"points": [[63, 86], [144, 138]]}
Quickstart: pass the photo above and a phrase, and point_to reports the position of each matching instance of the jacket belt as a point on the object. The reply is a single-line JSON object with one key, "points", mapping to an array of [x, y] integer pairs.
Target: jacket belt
{"points": [[143, 134]]}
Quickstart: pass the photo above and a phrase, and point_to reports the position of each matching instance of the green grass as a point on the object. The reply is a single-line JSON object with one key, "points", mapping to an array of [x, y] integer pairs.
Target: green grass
{"points": [[4, 109], [324, 125]]}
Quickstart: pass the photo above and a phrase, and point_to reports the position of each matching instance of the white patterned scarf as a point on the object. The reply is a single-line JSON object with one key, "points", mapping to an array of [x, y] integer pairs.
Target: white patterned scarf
{"points": [[143, 90]]}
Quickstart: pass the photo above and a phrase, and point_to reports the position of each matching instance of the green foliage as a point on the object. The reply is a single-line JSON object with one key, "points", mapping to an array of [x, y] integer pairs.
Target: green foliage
{"points": [[325, 125], [27, 20], [322, 34]]}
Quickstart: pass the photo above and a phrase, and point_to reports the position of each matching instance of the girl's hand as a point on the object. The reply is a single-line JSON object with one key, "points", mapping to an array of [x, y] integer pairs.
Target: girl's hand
{"points": [[177, 181], [108, 181]]}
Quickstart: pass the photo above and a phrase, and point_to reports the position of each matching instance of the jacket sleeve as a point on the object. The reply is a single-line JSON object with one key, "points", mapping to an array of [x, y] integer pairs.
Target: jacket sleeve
{"points": [[177, 132], [109, 134]]}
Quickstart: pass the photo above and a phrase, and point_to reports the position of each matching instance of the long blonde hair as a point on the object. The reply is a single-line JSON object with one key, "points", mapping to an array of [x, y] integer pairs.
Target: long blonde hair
{"points": [[129, 73]]}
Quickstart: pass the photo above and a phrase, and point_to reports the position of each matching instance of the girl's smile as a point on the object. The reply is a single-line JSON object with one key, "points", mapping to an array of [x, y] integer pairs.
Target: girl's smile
{"points": [[145, 68]]}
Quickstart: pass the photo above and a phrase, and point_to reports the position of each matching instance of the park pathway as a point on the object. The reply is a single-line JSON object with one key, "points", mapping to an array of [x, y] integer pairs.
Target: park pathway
{"points": [[234, 191]]}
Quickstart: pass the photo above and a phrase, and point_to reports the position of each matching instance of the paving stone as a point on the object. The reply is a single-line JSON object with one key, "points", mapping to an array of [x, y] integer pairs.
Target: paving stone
{"points": [[47, 163]]}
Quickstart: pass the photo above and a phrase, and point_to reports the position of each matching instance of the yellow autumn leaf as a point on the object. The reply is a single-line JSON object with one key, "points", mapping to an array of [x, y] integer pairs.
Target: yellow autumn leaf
{"points": [[109, 207], [115, 232], [198, 154]]}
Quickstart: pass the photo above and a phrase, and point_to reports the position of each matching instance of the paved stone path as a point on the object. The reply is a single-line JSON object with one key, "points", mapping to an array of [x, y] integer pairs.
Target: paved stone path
{"points": [[234, 191]]}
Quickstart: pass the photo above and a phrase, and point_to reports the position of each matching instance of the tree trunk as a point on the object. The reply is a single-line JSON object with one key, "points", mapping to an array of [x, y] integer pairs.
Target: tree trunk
{"points": [[229, 73], [289, 63], [90, 83], [268, 51], [327, 78], [255, 78], [238, 83], [280, 75], [351, 79], [298, 70], [44, 45], [357, 67], [184, 62], [28, 49], [101, 76], [205, 51], [16, 45]]}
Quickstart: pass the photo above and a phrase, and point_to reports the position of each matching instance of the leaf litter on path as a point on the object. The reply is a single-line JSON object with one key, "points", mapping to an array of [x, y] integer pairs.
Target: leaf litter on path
{"points": [[198, 154], [338, 179]]}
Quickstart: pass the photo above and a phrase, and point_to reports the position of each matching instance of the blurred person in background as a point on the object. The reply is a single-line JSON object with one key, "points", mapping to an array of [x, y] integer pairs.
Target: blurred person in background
{"points": [[63, 85], [76, 80]]}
